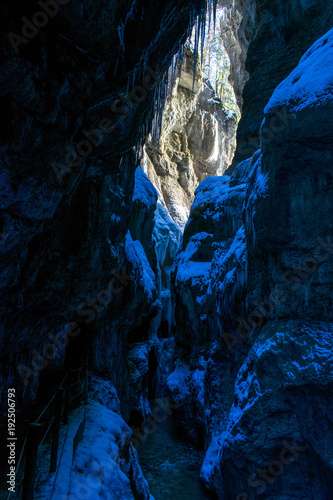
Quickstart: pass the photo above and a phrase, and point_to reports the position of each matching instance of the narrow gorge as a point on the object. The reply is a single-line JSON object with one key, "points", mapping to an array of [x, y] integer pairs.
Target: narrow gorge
{"points": [[167, 234]]}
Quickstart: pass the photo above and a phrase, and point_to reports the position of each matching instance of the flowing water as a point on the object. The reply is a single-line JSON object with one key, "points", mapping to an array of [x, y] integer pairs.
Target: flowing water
{"points": [[170, 465]]}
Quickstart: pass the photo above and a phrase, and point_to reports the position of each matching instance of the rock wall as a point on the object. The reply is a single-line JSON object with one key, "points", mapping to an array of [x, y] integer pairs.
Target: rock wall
{"points": [[209, 276], [282, 31], [253, 291], [87, 244], [197, 140], [201, 117], [78, 97], [237, 26]]}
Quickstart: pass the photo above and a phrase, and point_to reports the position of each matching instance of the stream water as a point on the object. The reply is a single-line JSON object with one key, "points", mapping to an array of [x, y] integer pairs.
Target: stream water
{"points": [[170, 465]]}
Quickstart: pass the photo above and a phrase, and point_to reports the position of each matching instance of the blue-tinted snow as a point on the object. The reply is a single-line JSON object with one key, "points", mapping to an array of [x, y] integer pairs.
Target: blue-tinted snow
{"points": [[311, 82], [187, 268], [98, 470], [144, 190], [141, 267]]}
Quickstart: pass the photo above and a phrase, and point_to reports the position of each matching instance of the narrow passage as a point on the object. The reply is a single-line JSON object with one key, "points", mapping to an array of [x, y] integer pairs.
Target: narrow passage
{"points": [[171, 465]]}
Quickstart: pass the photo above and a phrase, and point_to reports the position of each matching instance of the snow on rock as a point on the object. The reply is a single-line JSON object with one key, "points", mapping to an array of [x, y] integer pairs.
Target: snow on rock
{"points": [[186, 388], [151, 245], [197, 385], [193, 270], [144, 190], [136, 256], [196, 270], [103, 392], [105, 464], [97, 471], [228, 275], [138, 359], [58, 486], [211, 190], [138, 364], [287, 356], [167, 236], [164, 349], [211, 265], [187, 268], [209, 279], [257, 187], [166, 231], [311, 82], [135, 473], [211, 461], [212, 197], [276, 385], [178, 381]]}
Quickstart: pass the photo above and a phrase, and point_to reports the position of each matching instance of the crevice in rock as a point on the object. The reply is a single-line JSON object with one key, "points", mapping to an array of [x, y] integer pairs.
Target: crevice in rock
{"points": [[164, 250]]}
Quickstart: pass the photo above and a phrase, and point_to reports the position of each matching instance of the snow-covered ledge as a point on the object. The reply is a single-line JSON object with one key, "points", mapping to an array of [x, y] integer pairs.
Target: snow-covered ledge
{"points": [[105, 464]]}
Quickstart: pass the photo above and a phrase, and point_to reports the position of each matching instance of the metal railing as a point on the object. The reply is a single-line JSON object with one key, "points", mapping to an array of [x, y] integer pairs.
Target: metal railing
{"points": [[56, 412]]}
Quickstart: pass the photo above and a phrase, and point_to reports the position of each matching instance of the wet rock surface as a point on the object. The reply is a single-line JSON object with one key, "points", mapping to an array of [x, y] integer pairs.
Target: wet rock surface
{"points": [[171, 465]]}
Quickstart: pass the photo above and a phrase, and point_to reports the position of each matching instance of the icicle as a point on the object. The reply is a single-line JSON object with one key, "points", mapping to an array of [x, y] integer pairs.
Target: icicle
{"points": [[196, 48], [203, 33], [209, 14], [180, 59], [200, 30], [214, 11], [145, 62], [134, 76], [165, 86], [121, 29], [160, 97], [138, 150], [173, 70]]}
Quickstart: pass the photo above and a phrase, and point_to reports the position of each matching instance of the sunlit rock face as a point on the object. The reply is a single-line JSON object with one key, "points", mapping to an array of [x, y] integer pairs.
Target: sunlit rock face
{"points": [[237, 25], [201, 116], [197, 140], [264, 344]]}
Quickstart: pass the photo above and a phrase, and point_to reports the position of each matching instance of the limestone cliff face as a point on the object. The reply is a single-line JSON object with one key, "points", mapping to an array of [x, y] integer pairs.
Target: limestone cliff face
{"points": [[237, 26], [257, 254], [200, 120], [197, 140]]}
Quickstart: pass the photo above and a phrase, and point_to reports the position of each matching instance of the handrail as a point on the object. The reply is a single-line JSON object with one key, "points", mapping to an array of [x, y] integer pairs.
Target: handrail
{"points": [[47, 431], [56, 474], [46, 407], [55, 422], [48, 404], [77, 382]]}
